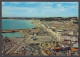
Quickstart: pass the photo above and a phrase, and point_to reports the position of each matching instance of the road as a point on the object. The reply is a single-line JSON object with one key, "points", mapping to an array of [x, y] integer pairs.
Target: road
{"points": [[53, 34], [25, 42]]}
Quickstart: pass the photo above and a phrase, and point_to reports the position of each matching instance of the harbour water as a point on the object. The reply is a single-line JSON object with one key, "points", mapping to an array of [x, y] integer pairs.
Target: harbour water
{"points": [[12, 35], [16, 24]]}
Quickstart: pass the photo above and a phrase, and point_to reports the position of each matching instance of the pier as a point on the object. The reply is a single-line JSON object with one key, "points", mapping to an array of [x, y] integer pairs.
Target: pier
{"points": [[13, 30]]}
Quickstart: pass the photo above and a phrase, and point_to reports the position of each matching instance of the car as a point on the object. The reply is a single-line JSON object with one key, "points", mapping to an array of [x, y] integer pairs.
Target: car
{"points": [[34, 39]]}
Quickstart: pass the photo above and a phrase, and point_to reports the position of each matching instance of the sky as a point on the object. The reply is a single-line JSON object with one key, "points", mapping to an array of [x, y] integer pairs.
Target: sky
{"points": [[39, 9]]}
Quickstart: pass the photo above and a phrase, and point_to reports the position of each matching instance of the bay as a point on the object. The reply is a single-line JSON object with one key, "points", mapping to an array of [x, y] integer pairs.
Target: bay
{"points": [[16, 24]]}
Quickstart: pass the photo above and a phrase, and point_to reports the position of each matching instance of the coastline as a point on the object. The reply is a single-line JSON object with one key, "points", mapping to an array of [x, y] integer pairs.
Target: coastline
{"points": [[36, 23]]}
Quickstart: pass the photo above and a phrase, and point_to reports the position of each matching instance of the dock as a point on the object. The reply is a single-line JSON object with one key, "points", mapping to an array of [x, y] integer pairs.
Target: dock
{"points": [[13, 30]]}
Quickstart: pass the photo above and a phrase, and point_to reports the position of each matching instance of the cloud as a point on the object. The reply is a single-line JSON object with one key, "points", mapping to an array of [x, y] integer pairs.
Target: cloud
{"points": [[3, 2], [24, 10], [30, 10], [46, 3], [48, 7], [67, 3], [31, 2], [15, 2], [42, 9], [73, 6], [17, 8], [62, 9], [59, 5]]}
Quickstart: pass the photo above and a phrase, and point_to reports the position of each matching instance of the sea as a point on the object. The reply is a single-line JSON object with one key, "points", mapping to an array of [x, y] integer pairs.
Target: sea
{"points": [[16, 24]]}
